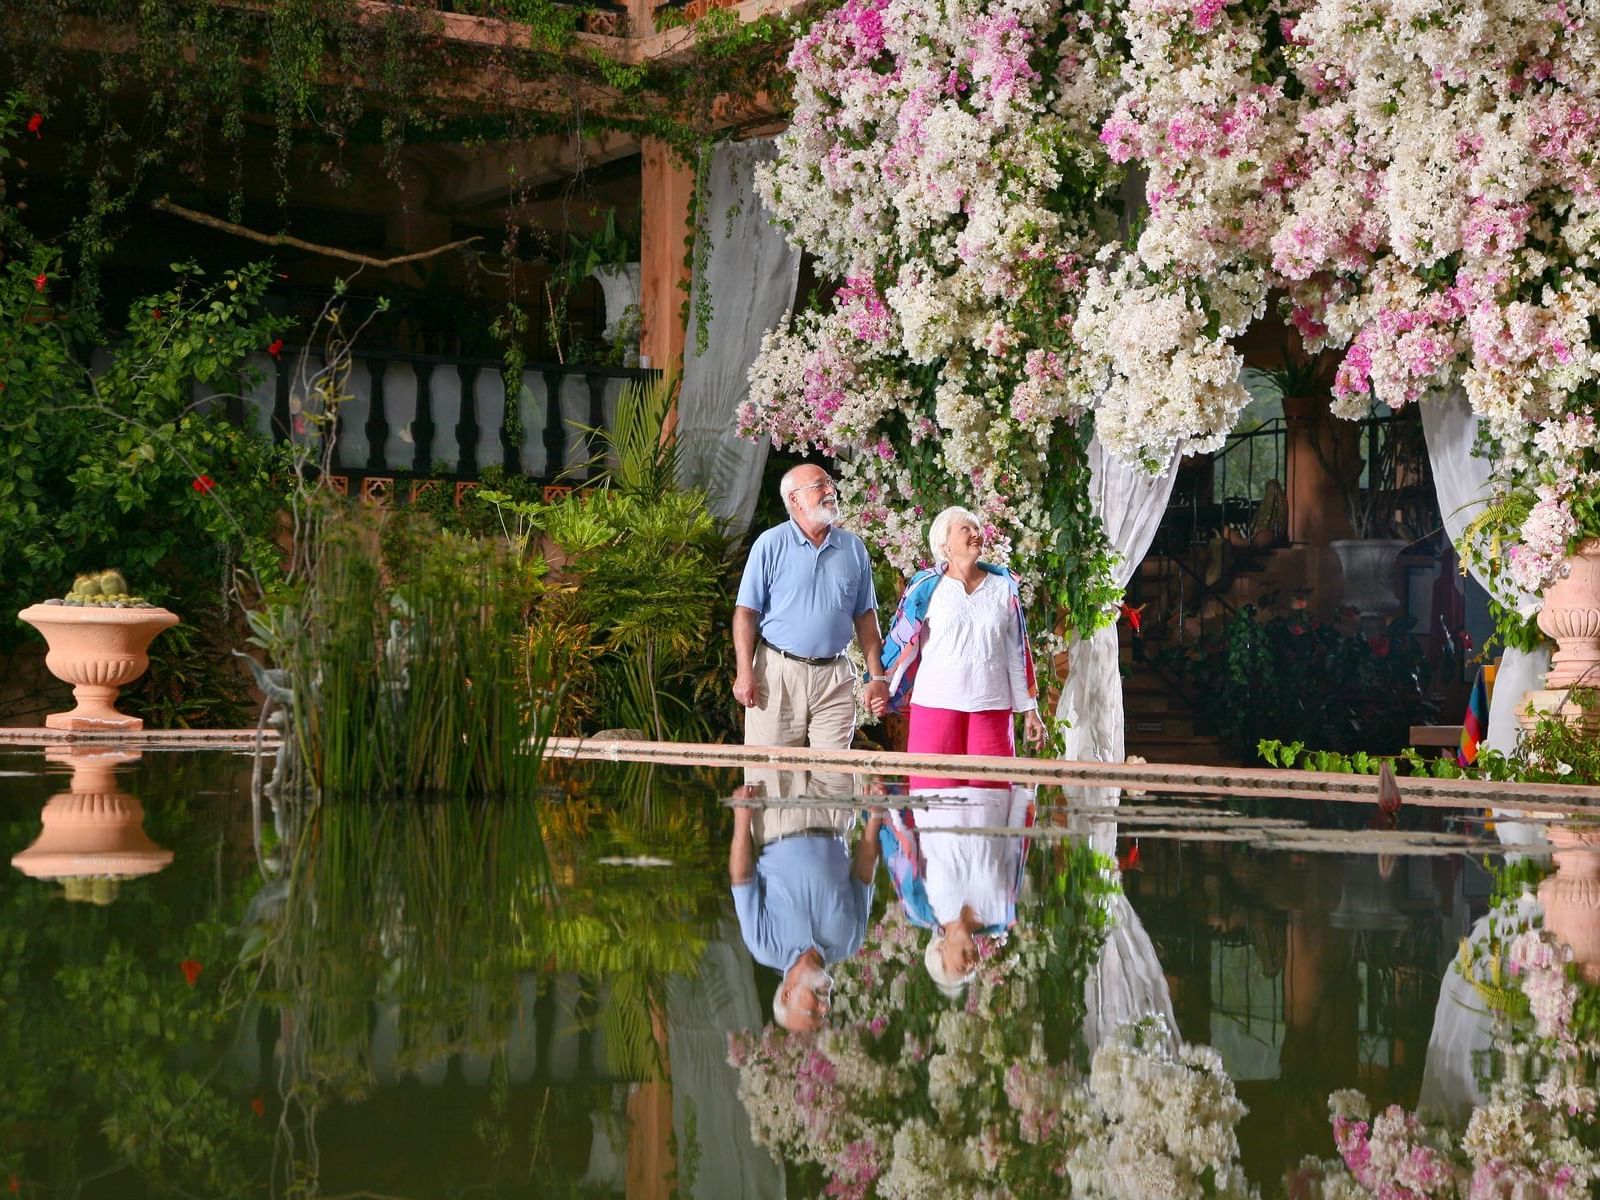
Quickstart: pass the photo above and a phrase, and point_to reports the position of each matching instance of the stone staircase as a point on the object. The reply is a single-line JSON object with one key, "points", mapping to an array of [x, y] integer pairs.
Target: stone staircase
{"points": [[1159, 725]]}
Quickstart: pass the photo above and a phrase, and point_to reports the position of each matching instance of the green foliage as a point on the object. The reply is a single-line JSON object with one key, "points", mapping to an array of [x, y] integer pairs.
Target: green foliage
{"points": [[635, 600], [120, 465], [1310, 680], [1554, 751], [413, 676], [101, 1034]]}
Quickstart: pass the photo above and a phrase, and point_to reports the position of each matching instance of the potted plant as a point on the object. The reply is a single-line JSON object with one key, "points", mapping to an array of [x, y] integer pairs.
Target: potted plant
{"points": [[99, 639], [1381, 467], [611, 256]]}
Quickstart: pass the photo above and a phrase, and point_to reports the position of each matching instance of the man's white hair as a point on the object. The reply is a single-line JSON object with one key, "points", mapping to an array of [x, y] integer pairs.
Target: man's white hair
{"points": [[933, 959], [939, 531], [787, 483]]}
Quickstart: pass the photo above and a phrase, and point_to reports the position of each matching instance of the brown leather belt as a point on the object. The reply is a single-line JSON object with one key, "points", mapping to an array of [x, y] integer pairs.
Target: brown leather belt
{"points": [[801, 658]]}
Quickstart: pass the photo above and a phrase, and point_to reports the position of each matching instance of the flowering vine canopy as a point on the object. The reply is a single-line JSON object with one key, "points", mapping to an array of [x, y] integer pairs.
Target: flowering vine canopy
{"points": [[1417, 180]]}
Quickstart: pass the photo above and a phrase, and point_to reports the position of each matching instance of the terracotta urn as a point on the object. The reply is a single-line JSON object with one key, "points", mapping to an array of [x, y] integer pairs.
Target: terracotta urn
{"points": [[99, 650], [1571, 897], [1571, 617], [93, 836]]}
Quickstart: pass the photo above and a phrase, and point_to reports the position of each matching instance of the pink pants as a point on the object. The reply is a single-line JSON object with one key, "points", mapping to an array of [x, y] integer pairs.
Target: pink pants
{"points": [[945, 731]]}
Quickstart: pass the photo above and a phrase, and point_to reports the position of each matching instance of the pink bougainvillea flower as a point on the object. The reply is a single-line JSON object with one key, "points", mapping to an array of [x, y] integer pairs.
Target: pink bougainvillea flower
{"points": [[39, 281], [191, 970], [34, 122], [276, 348], [204, 484]]}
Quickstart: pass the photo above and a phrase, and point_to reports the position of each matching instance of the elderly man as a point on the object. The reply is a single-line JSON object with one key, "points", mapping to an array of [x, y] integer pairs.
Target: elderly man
{"points": [[807, 589], [803, 899]]}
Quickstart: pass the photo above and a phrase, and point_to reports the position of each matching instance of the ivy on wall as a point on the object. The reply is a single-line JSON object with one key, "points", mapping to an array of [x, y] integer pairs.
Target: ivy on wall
{"points": [[157, 87]]}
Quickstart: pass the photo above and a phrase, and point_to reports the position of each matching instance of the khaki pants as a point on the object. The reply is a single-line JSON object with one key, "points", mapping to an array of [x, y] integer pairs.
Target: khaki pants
{"points": [[800, 705]]}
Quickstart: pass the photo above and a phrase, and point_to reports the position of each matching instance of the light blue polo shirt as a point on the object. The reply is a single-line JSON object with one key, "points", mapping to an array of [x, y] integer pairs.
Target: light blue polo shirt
{"points": [[808, 596], [802, 896]]}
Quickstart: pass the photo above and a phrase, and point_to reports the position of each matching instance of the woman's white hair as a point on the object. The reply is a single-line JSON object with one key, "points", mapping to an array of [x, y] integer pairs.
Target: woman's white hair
{"points": [[933, 959], [939, 531]]}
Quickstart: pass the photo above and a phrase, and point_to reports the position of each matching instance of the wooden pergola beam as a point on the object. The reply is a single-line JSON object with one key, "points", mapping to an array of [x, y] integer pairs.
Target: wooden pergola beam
{"points": [[493, 85]]}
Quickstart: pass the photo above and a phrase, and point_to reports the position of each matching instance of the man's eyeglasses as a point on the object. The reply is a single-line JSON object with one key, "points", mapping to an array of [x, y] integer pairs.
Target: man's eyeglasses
{"points": [[826, 485]]}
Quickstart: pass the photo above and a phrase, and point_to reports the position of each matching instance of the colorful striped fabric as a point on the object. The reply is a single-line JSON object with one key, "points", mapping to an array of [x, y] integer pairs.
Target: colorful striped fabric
{"points": [[1475, 725]]}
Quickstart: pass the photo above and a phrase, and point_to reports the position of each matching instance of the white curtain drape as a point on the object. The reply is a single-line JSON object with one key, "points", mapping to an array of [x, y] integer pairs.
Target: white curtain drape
{"points": [[706, 1109], [750, 278], [1129, 503], [1127, 981], [1462, 480]]}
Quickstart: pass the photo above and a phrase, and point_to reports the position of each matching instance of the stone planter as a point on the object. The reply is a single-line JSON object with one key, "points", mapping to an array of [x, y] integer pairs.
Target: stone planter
{"points": [[99, 651], [620, 287], [93, 836], [1369, 570], [1570, 616], [1571, 897]]}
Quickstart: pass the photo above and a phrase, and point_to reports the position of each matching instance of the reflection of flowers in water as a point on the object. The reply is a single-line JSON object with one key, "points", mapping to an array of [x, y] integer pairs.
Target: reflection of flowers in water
{"points": [[1534, 1136], [909, 1094]]}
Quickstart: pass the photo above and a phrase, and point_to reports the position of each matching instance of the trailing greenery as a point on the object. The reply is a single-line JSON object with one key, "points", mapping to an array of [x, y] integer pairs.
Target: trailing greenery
{"points": [[337, 76], [1306, 679]]}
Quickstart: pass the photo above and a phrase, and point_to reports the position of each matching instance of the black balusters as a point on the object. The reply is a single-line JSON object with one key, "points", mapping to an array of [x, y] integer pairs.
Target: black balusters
{"points": [[597, 420], [377, 426], [422, 429], [555, 429], [511, 441], [467, 426]]}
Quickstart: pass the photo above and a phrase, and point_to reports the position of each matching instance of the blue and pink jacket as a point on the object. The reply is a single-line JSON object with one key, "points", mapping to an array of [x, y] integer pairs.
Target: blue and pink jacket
{"points": [[901, 646]]}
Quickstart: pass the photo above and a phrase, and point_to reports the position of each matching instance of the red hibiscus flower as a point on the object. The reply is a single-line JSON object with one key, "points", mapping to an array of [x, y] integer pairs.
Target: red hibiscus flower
{"points": [[13, 1186], [155, 314], [276, 348], [34, 122], [39, 281], [204, 484], [1135, 616], [191, 971], [1130, 860], [258, 1106]]}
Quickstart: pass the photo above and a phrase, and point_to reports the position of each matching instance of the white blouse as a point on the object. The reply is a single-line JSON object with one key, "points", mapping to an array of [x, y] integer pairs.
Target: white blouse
{"points": [[971, 656]]}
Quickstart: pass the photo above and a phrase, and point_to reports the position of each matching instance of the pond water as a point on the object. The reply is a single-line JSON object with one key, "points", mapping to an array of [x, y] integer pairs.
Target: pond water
{"points": [[204, 993]]}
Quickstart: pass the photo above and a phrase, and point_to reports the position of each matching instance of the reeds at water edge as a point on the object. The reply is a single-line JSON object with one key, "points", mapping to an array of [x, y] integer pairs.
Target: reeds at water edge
{"points": [[414, 674]]}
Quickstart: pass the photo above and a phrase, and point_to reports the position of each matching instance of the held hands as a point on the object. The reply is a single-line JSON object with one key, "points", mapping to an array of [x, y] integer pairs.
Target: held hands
{"points": [[876, 698], [1033, 730]]}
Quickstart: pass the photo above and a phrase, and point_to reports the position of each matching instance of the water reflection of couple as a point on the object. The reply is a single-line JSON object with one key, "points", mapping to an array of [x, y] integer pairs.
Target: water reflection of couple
{"points": [[958, 655], [801, 895]]}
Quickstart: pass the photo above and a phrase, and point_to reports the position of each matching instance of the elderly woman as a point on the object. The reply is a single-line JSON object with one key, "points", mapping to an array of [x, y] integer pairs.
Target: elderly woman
{"points": [[958, 884], [958, 651]]}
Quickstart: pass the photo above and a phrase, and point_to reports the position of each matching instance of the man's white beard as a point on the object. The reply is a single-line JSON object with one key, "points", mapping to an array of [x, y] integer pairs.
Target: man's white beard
{"points": [[824, 510]]}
